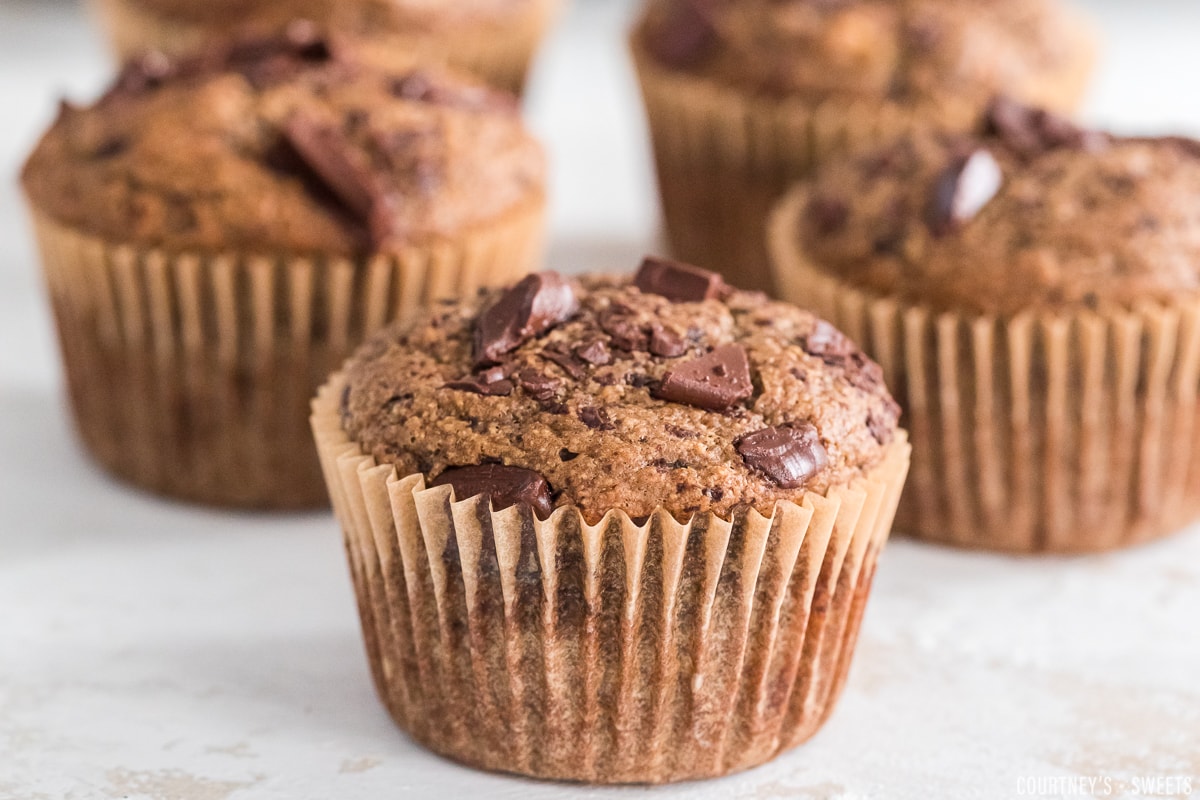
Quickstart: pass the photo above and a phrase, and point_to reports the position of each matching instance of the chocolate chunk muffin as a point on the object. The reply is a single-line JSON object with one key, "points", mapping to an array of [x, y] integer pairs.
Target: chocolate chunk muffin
{"points": [[746, 97], [1031, 290], [494, 39], [650, 506], [219, 232]]}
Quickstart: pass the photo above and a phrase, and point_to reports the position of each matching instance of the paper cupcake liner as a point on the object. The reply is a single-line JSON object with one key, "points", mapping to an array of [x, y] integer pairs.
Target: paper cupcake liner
{"points": [[1057, 432], [191, 374], [500, 56], [608, 653], [725, 156]]}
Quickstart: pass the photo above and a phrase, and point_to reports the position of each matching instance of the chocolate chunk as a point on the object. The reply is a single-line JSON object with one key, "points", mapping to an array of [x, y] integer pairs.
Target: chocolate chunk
{"points": [[537, 384], [595, 418], [566, 361], [595, 352], [626, 334], [421, 87], [498, 388], [681, 433], [713, 493], [678, 282], [828, 344], [827, 214], [666, 343], [1031, 131], [962, 190], [344, 172], [882, 428], [789, 455], [565, 455], [529, 309], [715, 381], [639, 381], [686, 36], [506, 486]]}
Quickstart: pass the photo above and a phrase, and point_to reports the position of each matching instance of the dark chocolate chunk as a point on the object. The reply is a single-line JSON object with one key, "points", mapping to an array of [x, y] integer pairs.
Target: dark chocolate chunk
{"points": [[537, 384], [714, 493], [686, 36], [529, 309], [789, 455], [565, 455], [827, 214], [962, 190], [498, 388], [566, 361], [828, 344], [665, 343], [639, 381], [681, 433], [715, 381], [506, 486], [344, 172], [678, 282], [595, 352], [626, 334], [595, 418], [1030, 131]]}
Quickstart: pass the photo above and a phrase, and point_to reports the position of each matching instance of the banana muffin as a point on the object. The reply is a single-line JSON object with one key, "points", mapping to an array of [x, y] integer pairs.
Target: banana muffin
{"points": [[648, 508], [1031, 291], [745, 98], [219, 232]]}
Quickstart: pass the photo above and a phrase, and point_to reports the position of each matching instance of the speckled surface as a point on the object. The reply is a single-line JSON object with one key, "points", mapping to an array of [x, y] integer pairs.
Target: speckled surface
{"points": [[153, 652]]}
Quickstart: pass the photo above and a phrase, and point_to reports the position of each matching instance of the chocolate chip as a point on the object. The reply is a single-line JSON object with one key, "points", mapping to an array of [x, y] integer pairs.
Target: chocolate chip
{"points": [[344, 172], [681, 433], [789, 455], [665, 343], [565, 361], [595, 352], [828, 344], [715, 381], [537, 384], [499, 388], [529, 309], [506, 486], [566, 455], [686, 36], [110, 148], [1031, 131], [678, 282], [595, 418], [713, 493], [962, 190], [626, 334], [827, 214], [639, 380]]}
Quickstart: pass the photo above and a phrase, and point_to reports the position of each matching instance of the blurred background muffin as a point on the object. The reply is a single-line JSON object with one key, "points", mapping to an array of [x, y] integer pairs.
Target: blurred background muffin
{"points": [[746, 97], [219, 232], [494, 39]]}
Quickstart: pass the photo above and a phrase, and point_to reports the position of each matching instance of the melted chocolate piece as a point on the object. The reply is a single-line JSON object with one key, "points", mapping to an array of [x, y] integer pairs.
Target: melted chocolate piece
{"points": [[715, 381], [506, 486], [789, 455], [529, 309], [595, 418], [962, 190], [686, 36], [678, 282], [595, 352], [497, 388]]}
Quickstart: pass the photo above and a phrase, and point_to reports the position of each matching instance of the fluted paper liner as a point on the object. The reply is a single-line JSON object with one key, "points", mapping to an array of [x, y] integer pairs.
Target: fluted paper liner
{"points": [[725, 156], [191, 374], [605, 653], [501, 60], [1051, 431]]}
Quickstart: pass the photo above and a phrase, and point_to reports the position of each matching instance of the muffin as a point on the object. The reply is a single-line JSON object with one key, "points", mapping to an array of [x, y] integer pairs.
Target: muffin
{"points": [[745, 98], [494, 39], [1031, 291], [611, 530], [219, 233]]}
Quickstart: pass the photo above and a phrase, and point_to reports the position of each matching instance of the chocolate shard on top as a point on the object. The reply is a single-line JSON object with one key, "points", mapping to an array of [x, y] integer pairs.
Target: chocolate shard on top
{"points": [[506, 486], [344, 171], [687, 34], [678, 282], [962, 190], [532, 307], [715, 381], [789, 455], [1030, 131]]}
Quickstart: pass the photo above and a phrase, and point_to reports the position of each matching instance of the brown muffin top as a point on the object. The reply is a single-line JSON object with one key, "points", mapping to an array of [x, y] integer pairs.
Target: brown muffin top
{"points": [[1030, 212], [943, 54], [421, 13], [295, 143], [668, 390]]}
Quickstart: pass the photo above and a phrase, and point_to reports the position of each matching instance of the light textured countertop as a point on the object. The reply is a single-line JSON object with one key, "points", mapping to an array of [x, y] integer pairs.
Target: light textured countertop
{"points": [[151, 651]]}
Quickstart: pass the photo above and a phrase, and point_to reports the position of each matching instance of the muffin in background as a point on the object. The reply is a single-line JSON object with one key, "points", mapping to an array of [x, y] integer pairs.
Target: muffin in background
{"points": [[611, 530], [218, 233], [1032, 292], [494, 39], [744, 98]]}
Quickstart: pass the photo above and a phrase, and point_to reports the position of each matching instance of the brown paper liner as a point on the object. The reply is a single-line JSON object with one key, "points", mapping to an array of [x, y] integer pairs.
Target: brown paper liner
{"points": [[608, 653], [499, 57], [724, 156], [191, 375], [1055, 432]]}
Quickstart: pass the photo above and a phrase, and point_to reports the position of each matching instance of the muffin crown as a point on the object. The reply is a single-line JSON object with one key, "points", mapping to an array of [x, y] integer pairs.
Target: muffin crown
{"points": [[295, 143], [1028, 212], [668, 390]]}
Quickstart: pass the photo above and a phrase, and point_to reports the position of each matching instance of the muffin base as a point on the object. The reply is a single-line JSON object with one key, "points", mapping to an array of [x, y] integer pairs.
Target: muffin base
{"points": [[725, 157], [190, 375], [607, 653], [1061, 432]]}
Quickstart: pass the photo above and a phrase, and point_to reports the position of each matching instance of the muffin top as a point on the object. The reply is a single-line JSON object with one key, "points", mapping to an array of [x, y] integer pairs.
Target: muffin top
{"points": [[940, 53], [1030, 212], [421, 13], [297, 142], [665, 390]]}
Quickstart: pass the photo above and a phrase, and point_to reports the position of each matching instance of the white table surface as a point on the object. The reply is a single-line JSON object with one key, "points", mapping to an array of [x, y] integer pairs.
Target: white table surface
{"points": [[153, 651]]}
